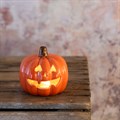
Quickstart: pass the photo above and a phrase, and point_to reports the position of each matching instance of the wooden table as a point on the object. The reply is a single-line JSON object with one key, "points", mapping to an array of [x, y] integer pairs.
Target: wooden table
{"points": [[72, 104]]}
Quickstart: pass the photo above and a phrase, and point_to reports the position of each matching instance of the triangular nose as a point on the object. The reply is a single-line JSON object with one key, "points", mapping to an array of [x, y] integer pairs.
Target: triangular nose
{"points": [[45, 75]]}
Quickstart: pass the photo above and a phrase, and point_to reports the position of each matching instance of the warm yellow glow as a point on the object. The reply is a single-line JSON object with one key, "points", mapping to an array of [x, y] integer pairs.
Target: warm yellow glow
{"points": [[53, 69], [32, 82], [38, 68], [45, 75], [43, 84], [55, 81]]}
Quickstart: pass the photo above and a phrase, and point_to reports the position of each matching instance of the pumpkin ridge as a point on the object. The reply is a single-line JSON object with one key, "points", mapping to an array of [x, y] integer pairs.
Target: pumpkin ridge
{"points": [[29, 70], [45, 65], [25, 60], [57, 65], [64, 70]]}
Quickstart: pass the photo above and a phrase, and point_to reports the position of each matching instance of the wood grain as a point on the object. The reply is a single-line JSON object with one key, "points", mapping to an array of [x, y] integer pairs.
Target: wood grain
{"points": [[74, 99], [45, 115]]}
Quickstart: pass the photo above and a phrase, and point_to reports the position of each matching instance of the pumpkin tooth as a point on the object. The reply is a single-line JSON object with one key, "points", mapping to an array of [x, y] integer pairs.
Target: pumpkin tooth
{"points": [[55, 81], [32, 82], [45, 84]]}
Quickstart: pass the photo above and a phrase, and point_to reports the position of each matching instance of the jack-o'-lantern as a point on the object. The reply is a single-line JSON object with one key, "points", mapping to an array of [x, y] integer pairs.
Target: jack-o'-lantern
{"points": [[44, 74]]}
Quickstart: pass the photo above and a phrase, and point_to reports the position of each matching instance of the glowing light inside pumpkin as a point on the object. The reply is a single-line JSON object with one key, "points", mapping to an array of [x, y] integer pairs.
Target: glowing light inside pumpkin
{"points": [[43, 84], [53, 69], [38, 68]]}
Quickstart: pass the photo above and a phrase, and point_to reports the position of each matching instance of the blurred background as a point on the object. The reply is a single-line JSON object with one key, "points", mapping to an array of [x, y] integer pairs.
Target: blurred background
{"points": [[88, 28]]}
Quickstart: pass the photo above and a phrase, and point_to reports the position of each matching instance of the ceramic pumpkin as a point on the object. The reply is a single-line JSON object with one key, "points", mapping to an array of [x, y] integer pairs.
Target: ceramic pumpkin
{"points": [[44, 74]]}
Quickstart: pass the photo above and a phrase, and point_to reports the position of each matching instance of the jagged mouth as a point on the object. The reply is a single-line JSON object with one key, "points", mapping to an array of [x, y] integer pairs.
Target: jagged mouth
{"points": [[43, 84]]}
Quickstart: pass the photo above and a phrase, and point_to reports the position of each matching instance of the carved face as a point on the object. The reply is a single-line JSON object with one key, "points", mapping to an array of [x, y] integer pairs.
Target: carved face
{"points": [[43, 76], [42, 83]]}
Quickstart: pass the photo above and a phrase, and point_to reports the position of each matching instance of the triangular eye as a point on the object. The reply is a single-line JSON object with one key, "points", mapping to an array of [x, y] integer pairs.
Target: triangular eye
{"points": [[53, 69], [38, 68]]}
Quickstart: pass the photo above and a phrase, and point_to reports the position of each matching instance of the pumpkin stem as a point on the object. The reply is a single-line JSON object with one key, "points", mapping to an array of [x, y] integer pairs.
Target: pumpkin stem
{"points": [[43, 51]]}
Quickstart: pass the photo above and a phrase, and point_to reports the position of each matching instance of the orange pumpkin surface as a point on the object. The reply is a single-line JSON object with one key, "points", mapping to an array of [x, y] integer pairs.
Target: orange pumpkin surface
{"points": [[44, 74]]}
